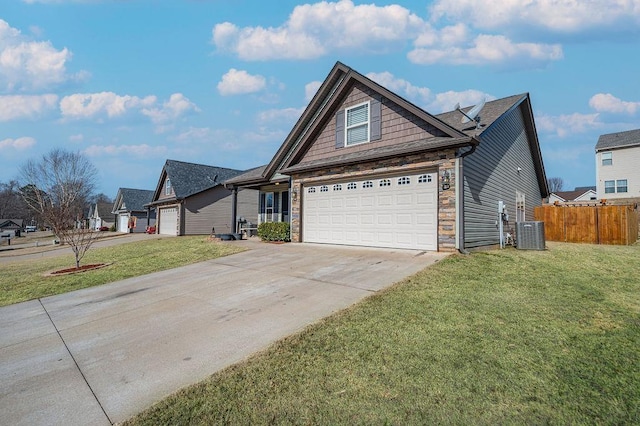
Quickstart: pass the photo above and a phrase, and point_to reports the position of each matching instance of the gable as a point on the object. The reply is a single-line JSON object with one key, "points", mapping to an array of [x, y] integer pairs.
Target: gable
{"points": [[337, 89], [388, 125]]}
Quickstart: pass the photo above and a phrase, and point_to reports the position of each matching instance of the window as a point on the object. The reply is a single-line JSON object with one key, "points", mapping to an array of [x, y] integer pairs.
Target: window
{"points": [[311, 190], [324, 188], [424, 178], [607, 158], [357, 124], [609, 186], [352, 185], [613, 186], [167, 187], [385, 182], [404, 180], [367, 184], [520, 211], [337, 187]]}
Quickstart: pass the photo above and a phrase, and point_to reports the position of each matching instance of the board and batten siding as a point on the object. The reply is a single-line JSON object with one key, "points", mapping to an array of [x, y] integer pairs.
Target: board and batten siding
{"points": [[211, 209], [397, 126], [491, 175]]}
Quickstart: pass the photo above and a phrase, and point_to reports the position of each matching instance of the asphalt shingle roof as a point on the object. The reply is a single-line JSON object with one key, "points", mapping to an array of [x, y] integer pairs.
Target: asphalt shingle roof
{"points": [[618, 140], [188, 178], [491, 111], [135, 199]]}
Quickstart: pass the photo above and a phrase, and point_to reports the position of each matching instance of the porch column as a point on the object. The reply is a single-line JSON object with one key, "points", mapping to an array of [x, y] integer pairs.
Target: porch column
{"points": [[234, 209]]}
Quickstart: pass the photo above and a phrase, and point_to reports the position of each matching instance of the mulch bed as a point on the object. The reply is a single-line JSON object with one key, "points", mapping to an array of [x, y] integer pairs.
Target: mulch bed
{"points": [[74, 270]]}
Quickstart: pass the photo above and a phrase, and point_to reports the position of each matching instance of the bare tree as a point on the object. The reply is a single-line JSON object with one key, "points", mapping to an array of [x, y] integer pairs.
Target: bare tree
{"points": [[12, 206], [57, 187], [555, 184]]}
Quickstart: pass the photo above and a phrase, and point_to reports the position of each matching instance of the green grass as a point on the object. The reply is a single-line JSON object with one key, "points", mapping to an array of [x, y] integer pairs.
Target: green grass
{"points": [[499, 337], [25, 280]]}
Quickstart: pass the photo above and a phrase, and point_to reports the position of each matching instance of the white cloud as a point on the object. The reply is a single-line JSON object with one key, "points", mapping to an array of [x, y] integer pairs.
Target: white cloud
{"points": [[76, 138], [19, 144], [239, 82], [142, 150], [27, 65], [177, 106], [310, 90], [286, 115], [400, 86], [15, 107], [194, 134], [313, 30], [606, 102], [446, 101], [494, 49], [561, 16], [568, 124], [99, 105]]}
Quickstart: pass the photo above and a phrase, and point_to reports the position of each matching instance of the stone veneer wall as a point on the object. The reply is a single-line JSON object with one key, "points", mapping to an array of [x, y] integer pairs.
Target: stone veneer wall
{"points": [[434, 162]]}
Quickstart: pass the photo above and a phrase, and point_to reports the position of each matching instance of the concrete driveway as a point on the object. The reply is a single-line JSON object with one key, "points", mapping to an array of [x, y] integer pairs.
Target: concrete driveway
{"points": [[100, 355]]}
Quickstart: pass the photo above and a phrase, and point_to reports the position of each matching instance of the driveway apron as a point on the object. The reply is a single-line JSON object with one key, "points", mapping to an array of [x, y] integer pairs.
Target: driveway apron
{"points": [[102, 354]]}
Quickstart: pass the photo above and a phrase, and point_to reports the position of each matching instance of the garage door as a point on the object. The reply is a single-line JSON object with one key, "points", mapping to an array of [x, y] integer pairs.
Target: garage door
{"points": [[123, 223], [169, 221], [396, 212]]}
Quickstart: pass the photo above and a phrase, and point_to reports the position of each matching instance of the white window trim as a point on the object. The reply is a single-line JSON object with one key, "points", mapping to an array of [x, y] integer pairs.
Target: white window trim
{"points": [[368, 123], [602, 159], [167, 187], [616, 186]]}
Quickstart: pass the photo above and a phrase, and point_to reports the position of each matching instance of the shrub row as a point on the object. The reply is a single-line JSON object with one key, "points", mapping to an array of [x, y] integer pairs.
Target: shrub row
{"points": [[274, 231]]}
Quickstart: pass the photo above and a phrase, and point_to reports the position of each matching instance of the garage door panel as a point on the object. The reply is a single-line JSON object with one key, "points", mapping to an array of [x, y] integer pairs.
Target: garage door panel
{"points": [[169, 221], [381, 212]]}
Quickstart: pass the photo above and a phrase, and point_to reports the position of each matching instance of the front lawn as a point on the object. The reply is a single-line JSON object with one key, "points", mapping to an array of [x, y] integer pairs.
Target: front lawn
{"points": [[25, 281], [499, 337]]}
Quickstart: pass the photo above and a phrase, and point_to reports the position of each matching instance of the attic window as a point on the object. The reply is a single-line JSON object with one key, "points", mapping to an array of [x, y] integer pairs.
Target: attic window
{"points": [[607, 158], [357, 124], [167, 187]]}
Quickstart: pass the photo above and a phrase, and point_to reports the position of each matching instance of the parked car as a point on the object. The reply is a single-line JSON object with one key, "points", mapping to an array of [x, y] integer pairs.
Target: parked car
{"points": [[30, 228]]}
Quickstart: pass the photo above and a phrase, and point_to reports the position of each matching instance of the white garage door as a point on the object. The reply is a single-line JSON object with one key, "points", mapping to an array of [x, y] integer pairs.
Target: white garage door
{"points": [[396, 212], [123, 223], [169, 221]]}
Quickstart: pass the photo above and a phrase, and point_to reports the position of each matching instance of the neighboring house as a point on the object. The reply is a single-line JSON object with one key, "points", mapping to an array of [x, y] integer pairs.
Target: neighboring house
{"points": [[190, 199], [130, 211], [617, 160], [100, 215], [363, 166], [11, 225], [581, 193]]}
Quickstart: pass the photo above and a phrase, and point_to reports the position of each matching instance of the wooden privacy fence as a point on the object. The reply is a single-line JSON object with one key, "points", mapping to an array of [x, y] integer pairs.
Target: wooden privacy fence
{"points": [[589, 224]]}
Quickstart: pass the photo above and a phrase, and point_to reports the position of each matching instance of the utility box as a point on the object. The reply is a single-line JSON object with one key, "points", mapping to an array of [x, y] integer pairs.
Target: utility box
{"points": [[530, 235]]}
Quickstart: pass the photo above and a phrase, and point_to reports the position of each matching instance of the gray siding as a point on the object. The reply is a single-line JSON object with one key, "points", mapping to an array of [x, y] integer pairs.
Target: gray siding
{"points": [[211, 209], [491, 175]]}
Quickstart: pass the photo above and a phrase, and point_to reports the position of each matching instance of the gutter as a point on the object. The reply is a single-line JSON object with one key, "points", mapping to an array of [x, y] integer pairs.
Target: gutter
{"points": [[460, 195]]}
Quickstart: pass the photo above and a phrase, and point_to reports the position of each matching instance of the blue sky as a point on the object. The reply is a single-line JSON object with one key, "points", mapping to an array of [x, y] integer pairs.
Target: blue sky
{"points": [[131, 83]]}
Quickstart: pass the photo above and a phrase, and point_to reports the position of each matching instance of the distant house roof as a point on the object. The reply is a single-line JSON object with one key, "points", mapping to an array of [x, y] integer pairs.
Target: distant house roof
{"points": [[575, 194], [618, 140], [188, 179], [132, 200], [104, 209], [11, 223]]}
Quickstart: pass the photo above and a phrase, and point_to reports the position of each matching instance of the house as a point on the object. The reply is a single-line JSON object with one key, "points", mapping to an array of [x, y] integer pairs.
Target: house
{"points": [[617, 159], [131, 215], [100, 215], [581, 193], [11, 225], [190, 199], [363, 166]]}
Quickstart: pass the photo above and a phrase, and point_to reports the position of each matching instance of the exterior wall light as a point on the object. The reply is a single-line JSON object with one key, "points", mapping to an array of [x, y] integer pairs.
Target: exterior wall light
{"points": [[294, 194], [446, 180]]}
